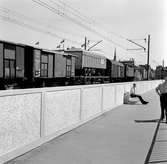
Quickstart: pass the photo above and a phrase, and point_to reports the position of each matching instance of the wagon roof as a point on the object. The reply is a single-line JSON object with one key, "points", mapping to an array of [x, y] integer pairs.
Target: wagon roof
{"points": [[89, 53], [117, 62], [10, 42], [64, 52], [42, 49]]}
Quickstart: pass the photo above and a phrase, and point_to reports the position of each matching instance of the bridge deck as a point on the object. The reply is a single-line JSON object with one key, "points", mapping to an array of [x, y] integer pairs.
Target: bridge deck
{"points": [[121, 136]]}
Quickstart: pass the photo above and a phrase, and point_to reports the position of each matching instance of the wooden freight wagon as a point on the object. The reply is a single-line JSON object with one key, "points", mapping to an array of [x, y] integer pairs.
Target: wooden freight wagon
{"points": [[51, 68], [129, 72], [138, 75], [115, 70], [129, 69], [89, 66], [11, 64], [26, 66]]}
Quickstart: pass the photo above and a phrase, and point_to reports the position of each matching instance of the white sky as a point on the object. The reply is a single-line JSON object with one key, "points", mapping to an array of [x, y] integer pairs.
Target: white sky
{"points": [[128, 18]]}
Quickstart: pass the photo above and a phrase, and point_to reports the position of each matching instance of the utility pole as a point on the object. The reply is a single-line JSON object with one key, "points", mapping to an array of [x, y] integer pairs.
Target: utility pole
{"points": [[85, 44], [144, 48], [163, 63], [115, 54], [148, 57]]}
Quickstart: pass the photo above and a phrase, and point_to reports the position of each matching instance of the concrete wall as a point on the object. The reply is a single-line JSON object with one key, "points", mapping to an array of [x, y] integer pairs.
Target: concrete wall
{"points": [[62, 109], [31, 117]]}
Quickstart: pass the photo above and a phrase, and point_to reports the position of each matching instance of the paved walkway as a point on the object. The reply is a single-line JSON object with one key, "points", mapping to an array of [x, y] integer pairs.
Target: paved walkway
{"points": [[121, 136], [159, 152]]}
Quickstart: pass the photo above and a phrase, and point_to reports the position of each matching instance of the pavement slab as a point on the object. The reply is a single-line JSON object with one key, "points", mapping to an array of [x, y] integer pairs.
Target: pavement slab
{"points": [[159, 152]]}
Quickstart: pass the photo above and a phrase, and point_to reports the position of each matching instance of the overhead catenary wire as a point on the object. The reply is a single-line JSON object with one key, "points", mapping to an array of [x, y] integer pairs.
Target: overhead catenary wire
{"points": [[18, 15], [34, 21], [66, 6], [78, 22], [42, 3], [62, 13], [87, 19], [22, 24], [11, 13], [56, 11], [8, 19], [72, 11], [50, 33]]}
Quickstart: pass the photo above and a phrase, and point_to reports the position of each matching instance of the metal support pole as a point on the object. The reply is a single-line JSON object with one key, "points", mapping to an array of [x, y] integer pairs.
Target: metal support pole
{"points": [[148, 57], [85, 45]]}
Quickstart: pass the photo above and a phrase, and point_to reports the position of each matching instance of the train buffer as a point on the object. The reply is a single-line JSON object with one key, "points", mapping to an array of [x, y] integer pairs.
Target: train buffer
{"points": [[123, 135]]}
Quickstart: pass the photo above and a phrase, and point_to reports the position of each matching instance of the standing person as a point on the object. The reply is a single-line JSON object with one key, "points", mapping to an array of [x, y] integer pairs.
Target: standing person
{"points": [[132, 94], [162, 92]]}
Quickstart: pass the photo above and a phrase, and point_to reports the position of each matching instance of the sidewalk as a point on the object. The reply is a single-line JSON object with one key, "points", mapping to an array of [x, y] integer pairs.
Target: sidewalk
{"points": [[121, 136], [159, 152]]}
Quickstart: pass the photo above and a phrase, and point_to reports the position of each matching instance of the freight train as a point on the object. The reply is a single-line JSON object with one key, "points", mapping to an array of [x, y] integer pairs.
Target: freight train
{"points": [[24, 66]]}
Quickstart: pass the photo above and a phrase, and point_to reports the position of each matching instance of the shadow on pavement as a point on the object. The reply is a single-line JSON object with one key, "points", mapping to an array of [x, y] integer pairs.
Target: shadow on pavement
{"points": [[132, 103], [161, 140], [147, 121], [159, 161]]}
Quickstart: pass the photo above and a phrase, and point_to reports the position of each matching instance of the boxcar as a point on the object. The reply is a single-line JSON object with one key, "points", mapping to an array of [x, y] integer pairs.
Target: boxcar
{"points": [[27, 66], [89, 66], [129, 72], [138, 75], [115, 70], [12, 63], [53, 67]]}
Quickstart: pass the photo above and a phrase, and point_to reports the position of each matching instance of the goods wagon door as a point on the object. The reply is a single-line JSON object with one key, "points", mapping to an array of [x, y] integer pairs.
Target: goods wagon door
{"points": [[122, 71], [68, 66], [9, 61], [118, 71], [1, 60], [44, 66], [20, 61], [37, 56], [114, 70], [59, 66], [50, 66], [28, 65], [129, 71], [73, 66]]}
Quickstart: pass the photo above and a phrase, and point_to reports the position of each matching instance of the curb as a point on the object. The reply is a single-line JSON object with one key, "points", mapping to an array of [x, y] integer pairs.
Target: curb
{"points": [[152, 144]]}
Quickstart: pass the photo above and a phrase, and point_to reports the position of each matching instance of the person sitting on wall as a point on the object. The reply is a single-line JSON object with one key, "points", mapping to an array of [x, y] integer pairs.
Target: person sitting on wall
{"points": [[133, 94]]}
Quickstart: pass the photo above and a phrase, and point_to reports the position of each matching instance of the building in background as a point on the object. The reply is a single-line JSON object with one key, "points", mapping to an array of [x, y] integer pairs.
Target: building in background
{"points": [[160, 72], [164, 72]]}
